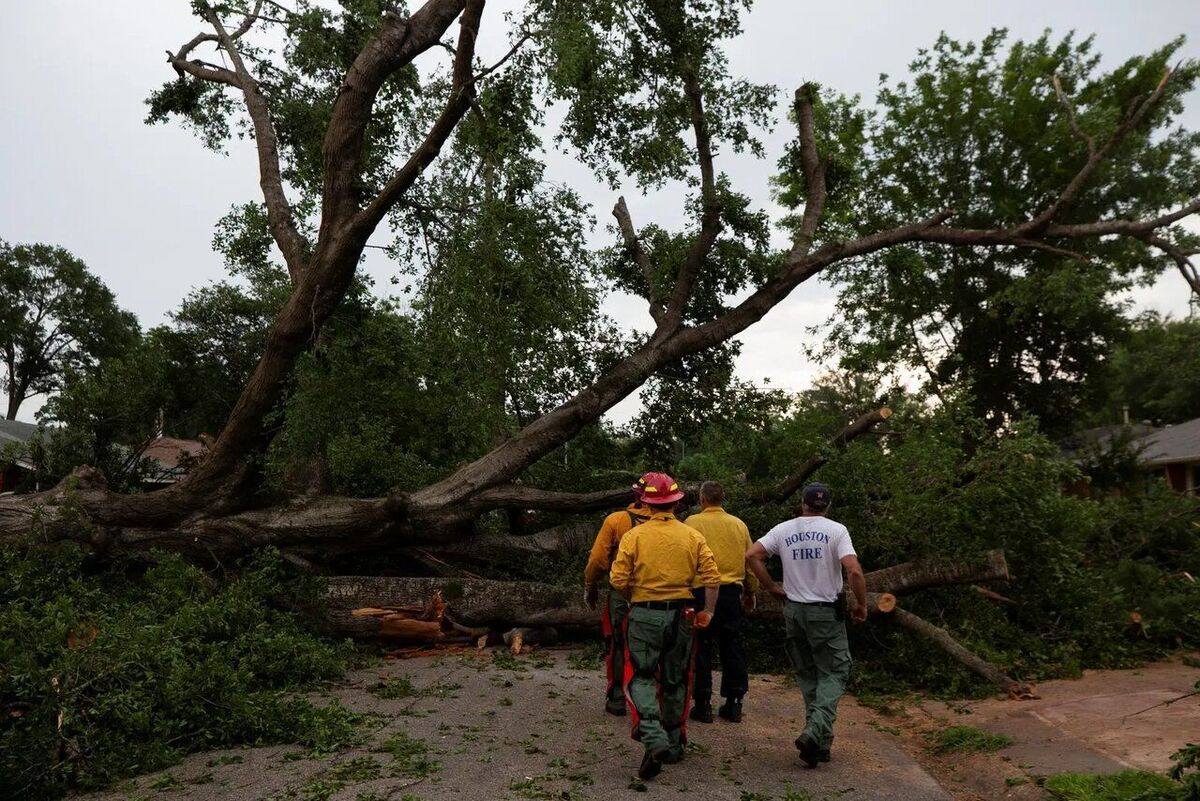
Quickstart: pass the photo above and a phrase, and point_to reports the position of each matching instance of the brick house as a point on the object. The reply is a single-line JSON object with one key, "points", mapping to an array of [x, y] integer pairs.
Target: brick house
{"points": [[1173, 452]]}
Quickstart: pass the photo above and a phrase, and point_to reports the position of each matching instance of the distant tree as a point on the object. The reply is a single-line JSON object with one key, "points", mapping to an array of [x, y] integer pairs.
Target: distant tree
{"points": [[994, 130], [55, 316], [105, 417], [1154, 372]]}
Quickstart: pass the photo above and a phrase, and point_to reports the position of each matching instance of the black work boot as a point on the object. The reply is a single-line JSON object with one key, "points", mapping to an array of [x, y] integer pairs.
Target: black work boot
{"points": [[652, 762], [823, 755], [615, 706], [702, 712], [731, 710], [809, 750]]}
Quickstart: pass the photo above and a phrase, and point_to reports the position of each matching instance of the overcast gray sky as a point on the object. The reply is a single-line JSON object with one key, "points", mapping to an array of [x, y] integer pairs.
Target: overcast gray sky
{"points": [[138, 203]]}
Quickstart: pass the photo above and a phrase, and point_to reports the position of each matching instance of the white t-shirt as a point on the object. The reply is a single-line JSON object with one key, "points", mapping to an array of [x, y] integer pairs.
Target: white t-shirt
{"points": [[811, 549]]}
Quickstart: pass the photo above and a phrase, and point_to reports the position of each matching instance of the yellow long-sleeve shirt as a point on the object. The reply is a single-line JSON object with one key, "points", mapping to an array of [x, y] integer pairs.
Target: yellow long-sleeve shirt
{"points": [[661, 560], [729, 539], [609, 537]]}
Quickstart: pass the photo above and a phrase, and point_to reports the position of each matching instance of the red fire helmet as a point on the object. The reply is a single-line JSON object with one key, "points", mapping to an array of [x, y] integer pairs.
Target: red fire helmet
{"points": [[658, 489]]}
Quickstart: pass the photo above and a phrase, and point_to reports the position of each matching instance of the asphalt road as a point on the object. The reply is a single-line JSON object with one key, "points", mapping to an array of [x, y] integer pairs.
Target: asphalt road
{"points": [[535, 729]]}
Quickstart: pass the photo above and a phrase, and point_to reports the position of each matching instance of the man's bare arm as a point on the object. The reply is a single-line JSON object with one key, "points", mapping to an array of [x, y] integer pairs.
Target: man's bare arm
{"points": [[756, 558], [858, 585]]}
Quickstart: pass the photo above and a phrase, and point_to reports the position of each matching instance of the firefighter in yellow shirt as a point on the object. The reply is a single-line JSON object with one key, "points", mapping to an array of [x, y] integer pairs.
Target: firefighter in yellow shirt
{"points": [[656, 567], [612, 614], [729, 539]]}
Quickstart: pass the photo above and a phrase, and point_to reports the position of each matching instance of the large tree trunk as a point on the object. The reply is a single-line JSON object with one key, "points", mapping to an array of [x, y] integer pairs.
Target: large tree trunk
{"points": [[923, 573], [483, 602], [503, 604], [790, 485]]}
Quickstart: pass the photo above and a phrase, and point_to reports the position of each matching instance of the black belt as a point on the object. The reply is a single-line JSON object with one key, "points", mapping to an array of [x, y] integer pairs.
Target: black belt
{"points": [[829, 604], [664, 605]]}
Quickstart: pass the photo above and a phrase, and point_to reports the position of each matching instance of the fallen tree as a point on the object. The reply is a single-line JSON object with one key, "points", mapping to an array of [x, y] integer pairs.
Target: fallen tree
{"points": [[220, 511]]}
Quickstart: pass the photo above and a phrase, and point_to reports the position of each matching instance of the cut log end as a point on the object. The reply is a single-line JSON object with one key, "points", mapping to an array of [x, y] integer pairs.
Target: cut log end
{"points": [[884, 602]]}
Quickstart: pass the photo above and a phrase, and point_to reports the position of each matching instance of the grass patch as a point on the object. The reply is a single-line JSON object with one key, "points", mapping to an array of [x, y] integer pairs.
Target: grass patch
{"points": [[410, 756], [227, 759], [505, 660], [394, 688], [590, 657], [1128, 785], [166, 782], [329, 782], [966, 740]]}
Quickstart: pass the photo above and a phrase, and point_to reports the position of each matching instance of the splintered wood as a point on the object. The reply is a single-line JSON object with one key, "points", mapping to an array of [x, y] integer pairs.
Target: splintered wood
{"points": [[410, 623]]}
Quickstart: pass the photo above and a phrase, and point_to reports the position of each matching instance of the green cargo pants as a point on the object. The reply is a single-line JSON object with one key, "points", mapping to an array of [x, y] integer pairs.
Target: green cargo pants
{"points": [[820, 652], [659, 645]]}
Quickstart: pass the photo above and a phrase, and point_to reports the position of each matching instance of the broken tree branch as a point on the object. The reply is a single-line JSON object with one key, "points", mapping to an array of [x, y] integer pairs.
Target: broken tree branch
{"points": [[839, 441], [479, 602], [942, 639], [813, 169], [640, 257]]}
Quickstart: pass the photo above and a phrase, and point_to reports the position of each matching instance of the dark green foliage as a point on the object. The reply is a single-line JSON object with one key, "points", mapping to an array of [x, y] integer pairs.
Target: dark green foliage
{"points": [[619, 68], [105, 417], [1128, 785], [1185, 768], [1079, 566], [55, 317], [180, 661], [1154, 371], [1023, 328]]}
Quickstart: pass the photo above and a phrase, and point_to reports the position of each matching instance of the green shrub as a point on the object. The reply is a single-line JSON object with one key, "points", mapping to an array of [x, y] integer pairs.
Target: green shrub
{"points": [[1128, 785], [1185, 769], [146, 660]]}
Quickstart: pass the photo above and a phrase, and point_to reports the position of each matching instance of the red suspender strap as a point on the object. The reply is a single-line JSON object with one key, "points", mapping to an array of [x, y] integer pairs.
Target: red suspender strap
{"points": [[633, 712], [689, 615]]}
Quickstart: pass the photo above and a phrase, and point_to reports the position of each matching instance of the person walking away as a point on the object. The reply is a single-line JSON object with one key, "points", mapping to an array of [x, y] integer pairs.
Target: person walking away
{"points": [[814, 550], [656, 567], [612, 613], [729, 539]]}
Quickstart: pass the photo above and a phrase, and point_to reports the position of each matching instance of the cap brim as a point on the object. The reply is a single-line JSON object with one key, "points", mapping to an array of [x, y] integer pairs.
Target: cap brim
{"points": [[654, 500]]}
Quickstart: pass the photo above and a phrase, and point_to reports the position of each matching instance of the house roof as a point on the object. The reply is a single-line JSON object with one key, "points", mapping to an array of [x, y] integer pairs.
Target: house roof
{"points": [[1177, 443], [171, 457], [1091, 441], [15, 431]]}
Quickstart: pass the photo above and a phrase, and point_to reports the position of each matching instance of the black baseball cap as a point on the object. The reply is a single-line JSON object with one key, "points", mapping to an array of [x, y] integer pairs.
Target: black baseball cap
{"points": [[817, 497]]}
